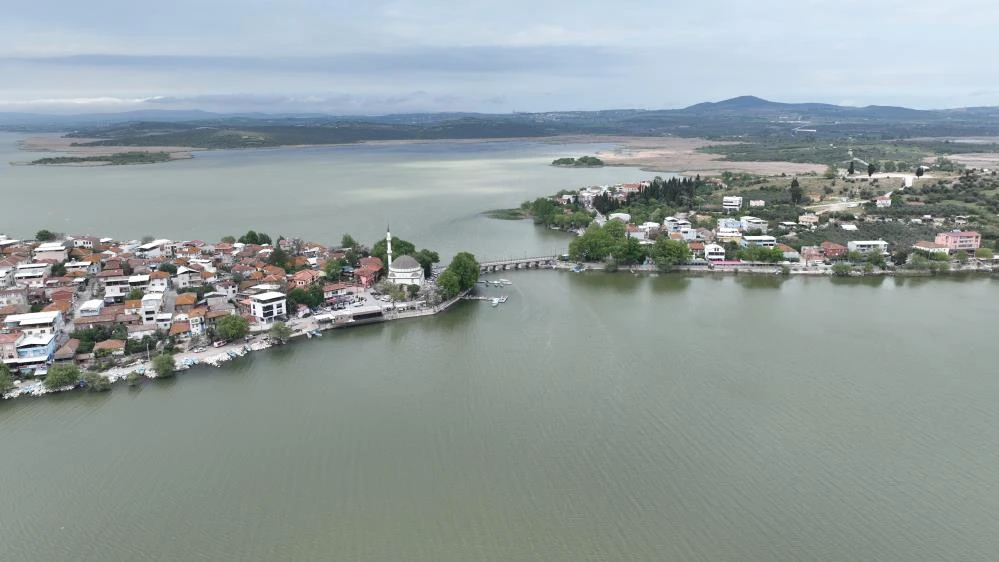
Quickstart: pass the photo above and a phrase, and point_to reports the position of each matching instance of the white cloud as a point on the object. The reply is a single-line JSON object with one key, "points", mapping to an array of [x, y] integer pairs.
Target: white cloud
{"points": [[533, 55]]}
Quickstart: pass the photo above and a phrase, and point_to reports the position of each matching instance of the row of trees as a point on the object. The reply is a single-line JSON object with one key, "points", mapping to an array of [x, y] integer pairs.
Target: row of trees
{"points": [[679, 193]]}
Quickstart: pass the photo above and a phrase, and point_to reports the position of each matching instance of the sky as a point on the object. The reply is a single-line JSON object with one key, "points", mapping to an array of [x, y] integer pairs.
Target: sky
{"points": [[399, 56]]}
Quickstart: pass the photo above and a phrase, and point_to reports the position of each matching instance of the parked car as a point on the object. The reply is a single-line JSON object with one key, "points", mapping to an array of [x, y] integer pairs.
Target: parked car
{"points": [[219, 343]]}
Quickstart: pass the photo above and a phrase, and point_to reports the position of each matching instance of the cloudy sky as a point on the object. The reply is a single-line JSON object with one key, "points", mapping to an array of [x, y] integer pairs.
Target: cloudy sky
{"points": [[389, 56]]}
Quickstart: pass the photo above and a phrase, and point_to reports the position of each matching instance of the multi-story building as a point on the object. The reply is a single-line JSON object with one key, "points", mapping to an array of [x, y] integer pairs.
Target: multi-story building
{"points": [[35, 323], [958, 241], [267, 307], [760, 241], [749, 224], [867, 246], [731, 203]]}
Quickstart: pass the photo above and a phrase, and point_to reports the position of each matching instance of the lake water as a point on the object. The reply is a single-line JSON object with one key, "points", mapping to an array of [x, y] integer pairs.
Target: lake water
{"points": [[432, 194], [591, 417]]}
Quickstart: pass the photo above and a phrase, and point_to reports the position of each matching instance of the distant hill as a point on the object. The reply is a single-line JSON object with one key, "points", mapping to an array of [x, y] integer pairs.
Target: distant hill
{"points": [[743, 117]]}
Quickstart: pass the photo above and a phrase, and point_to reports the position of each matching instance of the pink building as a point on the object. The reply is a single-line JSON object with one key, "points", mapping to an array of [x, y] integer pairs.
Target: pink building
{"points": [[957, 241]]}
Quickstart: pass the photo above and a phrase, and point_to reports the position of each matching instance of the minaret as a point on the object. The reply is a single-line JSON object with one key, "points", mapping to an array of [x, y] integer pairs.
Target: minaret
{"points": [[388, 247]]}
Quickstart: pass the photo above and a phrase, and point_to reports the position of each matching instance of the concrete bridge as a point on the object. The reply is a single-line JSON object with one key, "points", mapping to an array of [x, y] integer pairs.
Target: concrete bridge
{"points": [[517, 263]]}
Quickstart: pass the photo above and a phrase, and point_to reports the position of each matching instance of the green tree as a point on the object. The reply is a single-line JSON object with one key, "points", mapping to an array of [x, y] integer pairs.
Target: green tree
{"points": [[841, 269], [871, 168], [919, 171], [279, 332], [667, 253], [466, 268], [232, 327], [629, 251], [961, 257], [852, 169], [60, 376], [797, 193], [134, 295], [448, 283], [347, 241], [249, 238], [278, 257], [164, 365], [6, 379], [58, 269], [427, 259], [96, 382], [168, 267], [400, 247], [45, 235], [984, 254], [229, 239], [831, 172], [334, 269], [413, 290], [543, 211], [263, 238], [595, 244]]}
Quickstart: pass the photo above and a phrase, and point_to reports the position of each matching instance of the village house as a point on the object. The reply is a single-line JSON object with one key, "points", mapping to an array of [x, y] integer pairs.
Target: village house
{"points": [[696, 249], [109, 347], [632, 231], [6, 277], [750, 224], [67, 353], [53, 251], [306, 278], [85, 267], [185, 302], [930, 247], [91, 308], [882, 202], [159, 281], [34, 350], [731, 203], [32, 274], [867, 246], [757, 203], [960, 241], [831, 250], [154, 249], [714, 252], [790, 254], [35, 323], [808, 219], [759, 241]]}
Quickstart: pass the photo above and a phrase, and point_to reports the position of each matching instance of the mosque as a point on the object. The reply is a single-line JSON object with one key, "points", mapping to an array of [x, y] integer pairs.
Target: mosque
{"points": [[404, 270]]}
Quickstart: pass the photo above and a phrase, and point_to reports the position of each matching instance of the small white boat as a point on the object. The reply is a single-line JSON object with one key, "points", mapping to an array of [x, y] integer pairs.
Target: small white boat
{"points": [[505, 282], [502, 299], [494, 301]]}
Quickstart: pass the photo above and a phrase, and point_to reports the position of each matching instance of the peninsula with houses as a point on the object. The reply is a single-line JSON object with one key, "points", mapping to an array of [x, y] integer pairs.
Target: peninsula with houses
{"points": [[85, 311], [939, 217]]}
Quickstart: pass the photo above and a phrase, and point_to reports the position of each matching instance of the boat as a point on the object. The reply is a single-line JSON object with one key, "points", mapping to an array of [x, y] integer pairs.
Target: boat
{"points": [[578, 268], [316, 333], [503, 299], [505, 282], [494, 301]]}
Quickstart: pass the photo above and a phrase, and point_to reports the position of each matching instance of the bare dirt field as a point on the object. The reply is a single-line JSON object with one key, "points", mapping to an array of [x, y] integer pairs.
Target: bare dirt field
{"points": [[974, 159], [681, 155]]}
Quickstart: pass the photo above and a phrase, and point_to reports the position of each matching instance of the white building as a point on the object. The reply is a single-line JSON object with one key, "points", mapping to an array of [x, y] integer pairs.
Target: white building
{"points": [[731, 203], [50, 251], [91, 308], [623, 217], [32, 274], [757, 203], [115, 287], [727, 234], [35, 323], [808, 219], [151, 305], [867, 246], [753, 223], [84, 267], [154, 249], [269, 306], [405, 270], [761, 241], [883, 202], [140, 282], [6, 277], [714, 252]]}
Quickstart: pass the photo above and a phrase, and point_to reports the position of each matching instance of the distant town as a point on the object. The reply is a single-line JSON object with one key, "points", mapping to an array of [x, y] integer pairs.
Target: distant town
{"points": [[841, 223], [84, 311]]}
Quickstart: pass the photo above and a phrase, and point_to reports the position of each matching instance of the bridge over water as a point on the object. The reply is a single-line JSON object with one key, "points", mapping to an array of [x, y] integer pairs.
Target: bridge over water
{"points": [[536, 262]]}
